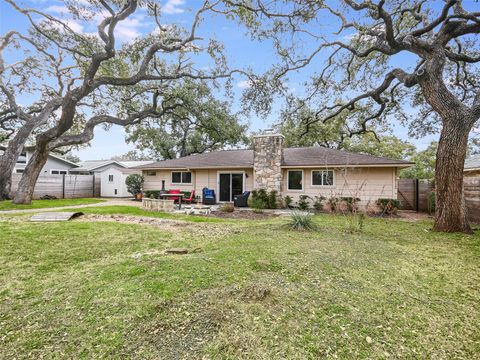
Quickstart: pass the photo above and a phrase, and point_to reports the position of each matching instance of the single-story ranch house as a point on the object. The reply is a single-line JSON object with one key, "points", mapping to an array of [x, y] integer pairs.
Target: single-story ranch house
{"points": [[313, 171]]}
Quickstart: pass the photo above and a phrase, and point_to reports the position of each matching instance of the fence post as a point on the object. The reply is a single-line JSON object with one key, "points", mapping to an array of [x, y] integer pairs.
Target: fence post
{"points": [[63, 186], [93, 187], [417, 195]]}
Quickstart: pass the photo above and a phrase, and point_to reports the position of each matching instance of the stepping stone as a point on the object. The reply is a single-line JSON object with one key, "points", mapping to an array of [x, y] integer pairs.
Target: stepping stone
{"points": [[55, 216], [176, 251]]}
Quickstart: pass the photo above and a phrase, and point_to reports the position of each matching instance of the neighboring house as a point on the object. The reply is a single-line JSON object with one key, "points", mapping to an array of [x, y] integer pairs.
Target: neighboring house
{"points": [[55, 165], [313, 171], [472, 166], [112, 175]]}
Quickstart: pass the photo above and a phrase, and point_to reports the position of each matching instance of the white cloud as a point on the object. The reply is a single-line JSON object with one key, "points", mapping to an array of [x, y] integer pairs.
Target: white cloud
{"points": [[244, 84], [173, 7], [57, 9], [74, 25], [128, 29]]}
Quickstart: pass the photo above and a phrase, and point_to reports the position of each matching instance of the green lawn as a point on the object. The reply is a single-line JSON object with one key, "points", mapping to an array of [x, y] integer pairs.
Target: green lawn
{"points": [[254, 291], [42, 204]]}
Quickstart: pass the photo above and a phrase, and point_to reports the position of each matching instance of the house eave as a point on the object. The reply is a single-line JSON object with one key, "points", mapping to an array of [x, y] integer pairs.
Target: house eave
{"points": [[62, 159], [406, 165], [197, 167], [346, 166]]}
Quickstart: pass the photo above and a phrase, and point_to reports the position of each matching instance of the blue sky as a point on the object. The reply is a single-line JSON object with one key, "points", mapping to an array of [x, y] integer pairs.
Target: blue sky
{"points": [[241, 52]]}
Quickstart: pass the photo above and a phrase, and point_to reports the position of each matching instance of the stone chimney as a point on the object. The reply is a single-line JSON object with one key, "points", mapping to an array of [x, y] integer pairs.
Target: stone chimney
{"points": [[267, 161]]}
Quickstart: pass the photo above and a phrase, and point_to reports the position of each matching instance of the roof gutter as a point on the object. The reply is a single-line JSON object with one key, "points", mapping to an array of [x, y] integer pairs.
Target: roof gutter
{"points": [[406, 165], [194, 168]]}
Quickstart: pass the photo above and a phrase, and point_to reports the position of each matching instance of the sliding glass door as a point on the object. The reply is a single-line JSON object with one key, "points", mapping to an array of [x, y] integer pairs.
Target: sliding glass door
{"points": [[229, 185]]}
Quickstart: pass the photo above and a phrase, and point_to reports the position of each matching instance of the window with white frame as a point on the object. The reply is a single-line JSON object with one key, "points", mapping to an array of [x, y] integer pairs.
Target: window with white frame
{"points": [[295, 179], [22, 159], [58, 172], [181, 177], [110, 178], [322, 177]]}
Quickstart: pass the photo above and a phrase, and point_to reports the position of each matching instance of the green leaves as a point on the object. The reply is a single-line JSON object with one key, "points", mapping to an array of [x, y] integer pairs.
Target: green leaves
{"points": [[134, 183], [198, 123], [424, 167]]}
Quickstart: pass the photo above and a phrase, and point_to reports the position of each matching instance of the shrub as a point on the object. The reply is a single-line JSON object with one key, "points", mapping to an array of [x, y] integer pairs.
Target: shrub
{"points": [[258, 210], [388, 206], [287, 200], [351, 203], [333, 203], [257, 204], [318, 203], [263, 200], [134, 183], [355, 222], [431, 202], [303, 203], [272, 199], [227, 207], [152, 194], [301, 222]]}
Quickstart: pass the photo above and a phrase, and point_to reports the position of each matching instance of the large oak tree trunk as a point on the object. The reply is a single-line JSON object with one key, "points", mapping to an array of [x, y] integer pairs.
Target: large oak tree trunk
{"points": [[9, 159], [7, 164], [29, 178], [450, 211], [457, 122]]}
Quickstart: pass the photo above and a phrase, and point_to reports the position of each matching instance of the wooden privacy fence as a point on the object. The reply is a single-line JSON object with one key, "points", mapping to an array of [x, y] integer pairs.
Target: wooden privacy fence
{"points": [[413, 195], [63, 186], [471, 186]]}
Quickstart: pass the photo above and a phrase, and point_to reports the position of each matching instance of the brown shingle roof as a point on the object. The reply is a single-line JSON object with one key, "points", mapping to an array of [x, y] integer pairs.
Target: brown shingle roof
{"points": [[306, 156], [320, 156], [222, 158]]}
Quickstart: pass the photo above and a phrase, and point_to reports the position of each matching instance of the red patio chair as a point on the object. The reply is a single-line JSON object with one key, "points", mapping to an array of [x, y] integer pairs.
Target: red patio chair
{"points": [[190, 199], [174, 191]]}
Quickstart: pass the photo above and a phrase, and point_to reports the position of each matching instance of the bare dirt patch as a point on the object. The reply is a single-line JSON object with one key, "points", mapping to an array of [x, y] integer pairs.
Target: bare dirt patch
{"points": [[183, 328], [242, 214], [199, 230], [413, 215], [168, 224]]}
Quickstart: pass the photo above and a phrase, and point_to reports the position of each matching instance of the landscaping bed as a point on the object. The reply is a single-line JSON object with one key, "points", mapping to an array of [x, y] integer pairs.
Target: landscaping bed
{"points": [[242, 214]]}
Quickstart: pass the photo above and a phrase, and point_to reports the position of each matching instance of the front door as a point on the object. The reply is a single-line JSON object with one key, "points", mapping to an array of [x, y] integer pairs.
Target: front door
{"points": [[230, 185]]}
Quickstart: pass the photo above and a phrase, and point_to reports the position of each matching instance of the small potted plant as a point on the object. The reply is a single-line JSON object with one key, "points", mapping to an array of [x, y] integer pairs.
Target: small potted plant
{"points": [[198, 203], [134, 184]]}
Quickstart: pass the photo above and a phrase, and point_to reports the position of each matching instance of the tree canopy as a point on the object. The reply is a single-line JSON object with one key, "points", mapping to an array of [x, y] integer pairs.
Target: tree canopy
{"points": [[201, 124], [415, 61], [425, 162], [78, 81]]}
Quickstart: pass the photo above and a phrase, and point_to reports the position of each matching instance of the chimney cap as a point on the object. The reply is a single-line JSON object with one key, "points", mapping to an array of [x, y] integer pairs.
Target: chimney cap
{"points": [[268, 133]]}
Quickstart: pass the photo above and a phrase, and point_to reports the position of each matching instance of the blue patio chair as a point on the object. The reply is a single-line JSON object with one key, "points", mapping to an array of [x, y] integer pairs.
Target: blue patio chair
{"points": [[208, 197]]}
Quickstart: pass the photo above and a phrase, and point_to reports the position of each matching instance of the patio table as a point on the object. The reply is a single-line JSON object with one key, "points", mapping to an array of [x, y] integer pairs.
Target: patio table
{"points": [[180, 197]]}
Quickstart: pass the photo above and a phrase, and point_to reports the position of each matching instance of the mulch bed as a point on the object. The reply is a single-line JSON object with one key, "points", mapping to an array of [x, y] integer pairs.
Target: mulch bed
{"points": [[243, 214]]}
